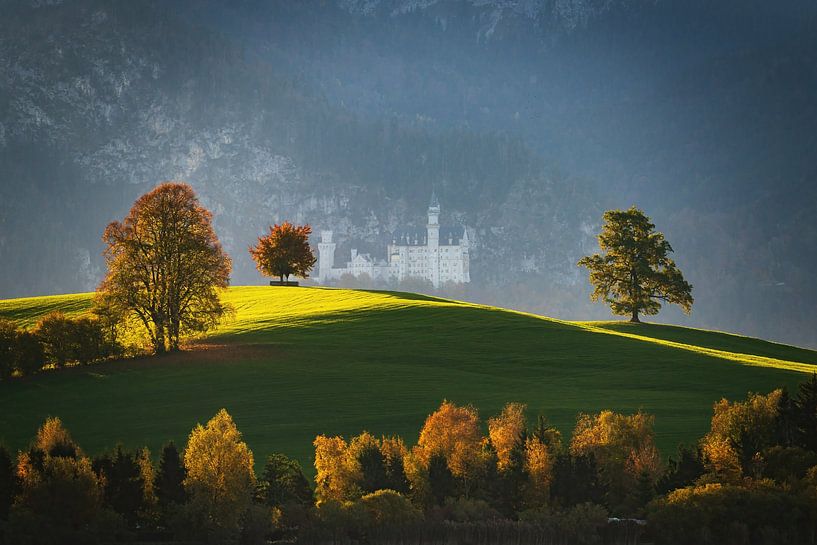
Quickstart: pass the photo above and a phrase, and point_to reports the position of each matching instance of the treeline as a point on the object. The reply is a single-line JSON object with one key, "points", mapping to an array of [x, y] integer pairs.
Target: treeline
{"points": [[56, 341], [752, 479]]}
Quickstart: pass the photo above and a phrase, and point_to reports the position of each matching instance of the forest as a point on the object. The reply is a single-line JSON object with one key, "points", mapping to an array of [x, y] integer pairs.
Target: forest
{"points": [[752, 478]]}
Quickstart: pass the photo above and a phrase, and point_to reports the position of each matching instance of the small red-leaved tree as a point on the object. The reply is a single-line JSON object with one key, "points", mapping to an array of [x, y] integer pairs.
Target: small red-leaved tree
{"points": [[284, 251]]}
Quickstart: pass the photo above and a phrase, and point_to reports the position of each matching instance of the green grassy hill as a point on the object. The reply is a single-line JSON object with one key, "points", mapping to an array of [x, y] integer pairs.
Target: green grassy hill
{"points": [[295, 362]]}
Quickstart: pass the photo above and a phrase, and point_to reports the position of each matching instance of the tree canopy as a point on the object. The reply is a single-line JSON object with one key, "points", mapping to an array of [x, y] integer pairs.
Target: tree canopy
{"points": [[284, 251], [165, 265], [635, 273]]}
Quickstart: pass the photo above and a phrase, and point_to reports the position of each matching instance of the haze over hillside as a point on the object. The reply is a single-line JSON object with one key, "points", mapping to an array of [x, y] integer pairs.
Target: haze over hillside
{"points": [[528, 118]]}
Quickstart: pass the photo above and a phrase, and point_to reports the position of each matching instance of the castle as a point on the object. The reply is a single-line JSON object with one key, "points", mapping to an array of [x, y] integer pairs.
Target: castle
{"points": [[437, 254]]}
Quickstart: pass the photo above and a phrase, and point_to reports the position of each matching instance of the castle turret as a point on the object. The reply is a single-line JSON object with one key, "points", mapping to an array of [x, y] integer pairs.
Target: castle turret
{"points": [[433, 240], [326, 256]]}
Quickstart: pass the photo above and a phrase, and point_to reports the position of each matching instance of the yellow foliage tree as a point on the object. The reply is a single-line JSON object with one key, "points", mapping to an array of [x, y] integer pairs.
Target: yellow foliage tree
{"points": [[746, 425], [220, 478], [506, 432], [453, 432], [539, 467], [623, 447], [337, 470]]}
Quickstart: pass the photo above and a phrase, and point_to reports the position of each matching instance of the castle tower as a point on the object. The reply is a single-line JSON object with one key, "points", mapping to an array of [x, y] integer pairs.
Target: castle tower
{"points": [[433, 246], [465, 255], [326, 256]]}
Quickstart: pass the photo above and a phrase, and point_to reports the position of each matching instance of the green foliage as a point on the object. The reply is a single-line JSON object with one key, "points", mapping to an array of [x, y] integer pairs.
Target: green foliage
{"points": [[636, 272], [55, 333], [30, 353], [713, 514], [8, 345], [284, 482], [387, 508], [443, 483], [123, 483], [8, 482], [169, 481], [683, 471], [576, 481]]}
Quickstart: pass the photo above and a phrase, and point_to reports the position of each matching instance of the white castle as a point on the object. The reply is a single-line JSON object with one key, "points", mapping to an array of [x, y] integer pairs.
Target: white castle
{"points": [[437, 255]]}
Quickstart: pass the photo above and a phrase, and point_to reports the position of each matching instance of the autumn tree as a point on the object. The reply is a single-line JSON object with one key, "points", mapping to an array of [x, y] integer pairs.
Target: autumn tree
{"points": [[60, 498], [453, 433], [220, 479], [284, 251], [166, 266], [624, 448], [738, 434], [338, 473], [635, 273]]}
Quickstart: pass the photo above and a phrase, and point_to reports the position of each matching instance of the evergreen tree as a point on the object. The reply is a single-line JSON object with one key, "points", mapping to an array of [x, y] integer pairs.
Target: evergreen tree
{"points": [[8, 482], [169, 481], [372, 468], [576, 480], [807, 408], [443, 483], [284, 482], [636, 271], [787, 419], [547, 434], [682, 472], [124, 487]]}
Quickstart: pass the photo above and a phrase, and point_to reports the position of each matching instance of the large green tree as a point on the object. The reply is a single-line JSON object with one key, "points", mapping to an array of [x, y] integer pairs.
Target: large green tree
{"points": [[635, 272], [166, 266]]}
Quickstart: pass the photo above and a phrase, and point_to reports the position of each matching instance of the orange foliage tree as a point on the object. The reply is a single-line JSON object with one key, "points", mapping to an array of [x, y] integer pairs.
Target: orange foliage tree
{"points": [[506, 431], [453, 432], [284, 251], [738, 433], [165, 266]]}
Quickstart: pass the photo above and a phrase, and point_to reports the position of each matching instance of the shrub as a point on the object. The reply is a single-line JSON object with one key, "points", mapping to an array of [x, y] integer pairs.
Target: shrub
{"points": [[30, 356], [723, 513], [388, 508], [8, 345]]}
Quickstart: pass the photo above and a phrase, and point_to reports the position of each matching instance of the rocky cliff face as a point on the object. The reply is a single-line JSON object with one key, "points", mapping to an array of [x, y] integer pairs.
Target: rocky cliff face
{"points": [[100, 102], [527, 117]]}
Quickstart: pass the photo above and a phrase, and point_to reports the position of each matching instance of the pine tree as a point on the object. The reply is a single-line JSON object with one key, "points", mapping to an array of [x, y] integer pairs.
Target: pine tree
{"points": [[169, 481], [284, 482], [807, 408], [8, 482]]}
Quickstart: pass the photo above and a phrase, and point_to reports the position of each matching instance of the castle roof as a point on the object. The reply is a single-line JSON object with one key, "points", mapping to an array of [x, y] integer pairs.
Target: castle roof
{"points": [[411, 236]]}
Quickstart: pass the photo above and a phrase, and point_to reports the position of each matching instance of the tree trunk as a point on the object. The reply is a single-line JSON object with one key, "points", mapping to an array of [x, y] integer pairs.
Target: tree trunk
{"points": [[634, 319]]}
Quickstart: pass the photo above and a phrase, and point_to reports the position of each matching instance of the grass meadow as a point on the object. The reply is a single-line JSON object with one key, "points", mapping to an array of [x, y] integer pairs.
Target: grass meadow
{"points": [[292, 363]]}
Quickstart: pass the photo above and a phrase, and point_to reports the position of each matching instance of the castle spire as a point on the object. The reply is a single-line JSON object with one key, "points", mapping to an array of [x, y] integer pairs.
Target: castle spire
{"points": [[434, 202]]}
